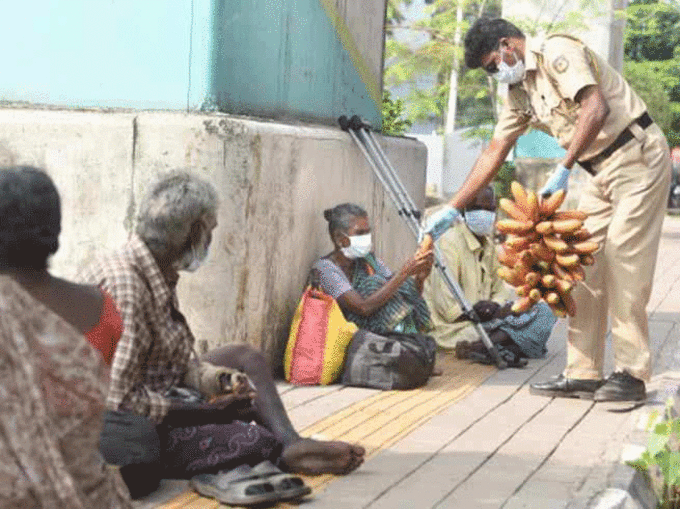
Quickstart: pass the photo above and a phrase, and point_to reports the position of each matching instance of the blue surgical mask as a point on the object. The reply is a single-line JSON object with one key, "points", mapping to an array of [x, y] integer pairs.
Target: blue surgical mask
{"points": [[359, 246], [510, 74], [480, 222]]}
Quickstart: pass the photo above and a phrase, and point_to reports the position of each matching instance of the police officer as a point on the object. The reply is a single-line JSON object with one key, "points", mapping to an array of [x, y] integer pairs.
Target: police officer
{"points": [[560, 86]]}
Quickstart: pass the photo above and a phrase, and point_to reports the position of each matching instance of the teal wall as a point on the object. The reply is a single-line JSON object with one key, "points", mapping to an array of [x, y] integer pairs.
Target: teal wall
{"points": [[285, 58], [538, 145], [277, 58], [96, 53]]}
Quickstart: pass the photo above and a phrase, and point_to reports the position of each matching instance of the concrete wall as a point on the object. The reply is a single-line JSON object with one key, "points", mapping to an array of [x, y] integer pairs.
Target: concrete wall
{"points": [[315, 59], [275, 181]]}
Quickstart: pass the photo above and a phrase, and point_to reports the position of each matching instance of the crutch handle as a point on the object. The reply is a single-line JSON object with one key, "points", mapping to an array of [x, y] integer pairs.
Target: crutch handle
{"points": [[356, 123], [344, 122]]}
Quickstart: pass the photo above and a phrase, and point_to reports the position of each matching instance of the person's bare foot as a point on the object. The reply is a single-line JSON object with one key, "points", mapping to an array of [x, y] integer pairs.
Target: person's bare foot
{"points": [[315, 457]]}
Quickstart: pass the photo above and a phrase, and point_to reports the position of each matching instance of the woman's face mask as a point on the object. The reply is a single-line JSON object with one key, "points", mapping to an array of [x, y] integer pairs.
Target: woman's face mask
{"points": [[480, 222], [510, 74], [359, 246]]}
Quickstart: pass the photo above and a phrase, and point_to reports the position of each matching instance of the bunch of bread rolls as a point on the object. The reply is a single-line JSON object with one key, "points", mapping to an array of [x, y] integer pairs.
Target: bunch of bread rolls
{"points": [[544, 251]]}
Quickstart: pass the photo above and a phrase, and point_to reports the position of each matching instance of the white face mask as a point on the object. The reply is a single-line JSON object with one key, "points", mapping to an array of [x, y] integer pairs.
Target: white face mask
{"points": [[194, 257], [508, 74], [359, 246], [480, 222]]}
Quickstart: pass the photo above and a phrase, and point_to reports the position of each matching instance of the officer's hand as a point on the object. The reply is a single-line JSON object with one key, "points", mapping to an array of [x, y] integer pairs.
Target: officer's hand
{"points": [[440, 221], [558, 180]]}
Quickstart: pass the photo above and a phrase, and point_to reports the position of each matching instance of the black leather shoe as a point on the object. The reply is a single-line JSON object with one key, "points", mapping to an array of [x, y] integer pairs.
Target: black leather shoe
{"points": [[621, 386], [563, 387]]}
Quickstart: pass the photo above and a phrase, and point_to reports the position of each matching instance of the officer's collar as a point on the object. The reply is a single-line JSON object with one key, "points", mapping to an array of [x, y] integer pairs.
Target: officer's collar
{"points": [[532, 46]]}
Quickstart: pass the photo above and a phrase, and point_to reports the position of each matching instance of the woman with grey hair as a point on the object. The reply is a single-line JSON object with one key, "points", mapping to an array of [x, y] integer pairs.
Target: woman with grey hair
{"points": [[368, 293]]}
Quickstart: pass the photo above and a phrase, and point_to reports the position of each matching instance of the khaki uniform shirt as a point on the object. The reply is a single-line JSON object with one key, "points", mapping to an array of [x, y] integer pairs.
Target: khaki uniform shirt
{"points": [[473, 265], [557, 68]]}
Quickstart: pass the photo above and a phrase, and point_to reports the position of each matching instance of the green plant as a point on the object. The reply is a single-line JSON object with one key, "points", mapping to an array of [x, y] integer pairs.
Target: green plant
{"points": [[503, 179], [652, 60], [661, 460], [393, 122]]}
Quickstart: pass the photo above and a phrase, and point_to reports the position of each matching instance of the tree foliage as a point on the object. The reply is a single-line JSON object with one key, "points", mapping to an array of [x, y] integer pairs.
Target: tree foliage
{"points": [[422, 63], [393, 121], [652, 60], [419, 57]]}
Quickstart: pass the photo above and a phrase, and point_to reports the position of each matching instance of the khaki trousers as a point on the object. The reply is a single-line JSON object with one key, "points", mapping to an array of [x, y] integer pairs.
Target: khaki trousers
{"points": [[626, 201]]}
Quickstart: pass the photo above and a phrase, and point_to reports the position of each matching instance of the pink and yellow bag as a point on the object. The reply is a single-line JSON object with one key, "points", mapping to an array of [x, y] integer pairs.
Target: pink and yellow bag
{"points": [[318, 340]]}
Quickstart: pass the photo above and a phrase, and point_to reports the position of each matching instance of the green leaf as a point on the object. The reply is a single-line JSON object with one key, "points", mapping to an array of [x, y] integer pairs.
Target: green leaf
{"points": [[427, 68], [673, 477], [657, 441]]}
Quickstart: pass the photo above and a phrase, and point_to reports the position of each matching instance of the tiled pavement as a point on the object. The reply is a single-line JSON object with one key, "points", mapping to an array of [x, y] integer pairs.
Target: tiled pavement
{"points": [[474, 437]]}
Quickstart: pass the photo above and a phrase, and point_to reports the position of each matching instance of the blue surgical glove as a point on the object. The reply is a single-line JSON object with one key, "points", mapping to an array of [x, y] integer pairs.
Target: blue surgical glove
{"points": [[440, 221], [558, 180]]}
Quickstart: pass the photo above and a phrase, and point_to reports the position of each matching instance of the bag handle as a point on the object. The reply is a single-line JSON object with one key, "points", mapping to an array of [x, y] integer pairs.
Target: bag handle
{"points": [[314, 279]]}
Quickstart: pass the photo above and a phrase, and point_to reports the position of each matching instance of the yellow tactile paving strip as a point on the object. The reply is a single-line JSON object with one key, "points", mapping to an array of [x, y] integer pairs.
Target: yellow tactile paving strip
{"points": [[379, 421]]}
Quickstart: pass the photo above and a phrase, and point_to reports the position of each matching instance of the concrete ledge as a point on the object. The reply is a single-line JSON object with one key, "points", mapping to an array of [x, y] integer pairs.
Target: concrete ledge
{"points": [[274, 182], [631, 490]]}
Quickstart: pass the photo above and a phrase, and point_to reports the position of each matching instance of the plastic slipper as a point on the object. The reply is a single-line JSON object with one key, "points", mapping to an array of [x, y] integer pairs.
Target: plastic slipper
{"points": [[287, 486], [236, 487]]}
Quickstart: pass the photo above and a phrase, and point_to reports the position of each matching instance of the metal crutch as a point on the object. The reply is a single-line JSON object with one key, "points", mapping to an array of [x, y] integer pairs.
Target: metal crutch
{"points": [[385, 173]]}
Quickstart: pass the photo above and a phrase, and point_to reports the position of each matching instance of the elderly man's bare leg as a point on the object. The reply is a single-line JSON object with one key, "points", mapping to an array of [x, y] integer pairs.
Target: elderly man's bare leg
{"points": [[300, 455]]}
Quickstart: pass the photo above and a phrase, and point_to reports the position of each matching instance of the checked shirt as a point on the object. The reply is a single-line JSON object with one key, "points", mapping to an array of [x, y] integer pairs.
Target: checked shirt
{"points": [[154, 351]]}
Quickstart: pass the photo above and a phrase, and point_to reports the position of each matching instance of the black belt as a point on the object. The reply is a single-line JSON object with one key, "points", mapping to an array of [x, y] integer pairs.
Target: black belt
{"points": [[626, 135]]}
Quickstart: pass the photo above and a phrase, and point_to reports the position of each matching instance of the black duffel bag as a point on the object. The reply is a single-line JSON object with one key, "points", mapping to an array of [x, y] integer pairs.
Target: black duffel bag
{"points": [[131, 442], [389, 361]]}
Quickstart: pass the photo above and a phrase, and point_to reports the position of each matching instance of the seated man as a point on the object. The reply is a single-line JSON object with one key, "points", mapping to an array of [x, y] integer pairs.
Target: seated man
{"points": [[470, 255], [156, 352]]}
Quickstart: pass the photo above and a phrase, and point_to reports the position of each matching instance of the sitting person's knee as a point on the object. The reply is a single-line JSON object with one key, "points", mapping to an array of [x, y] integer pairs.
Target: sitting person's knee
{"points": [[242, 357], [251, 359]]}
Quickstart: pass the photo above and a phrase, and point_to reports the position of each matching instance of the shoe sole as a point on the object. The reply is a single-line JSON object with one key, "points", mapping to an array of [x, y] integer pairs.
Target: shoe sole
{"points": [[219, 495], [562, 394], [614, 399], [267, 472], [288, 495]]}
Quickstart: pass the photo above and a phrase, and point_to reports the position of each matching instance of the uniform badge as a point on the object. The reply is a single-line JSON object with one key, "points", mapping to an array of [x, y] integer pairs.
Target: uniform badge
{"points": [[560, 64]]}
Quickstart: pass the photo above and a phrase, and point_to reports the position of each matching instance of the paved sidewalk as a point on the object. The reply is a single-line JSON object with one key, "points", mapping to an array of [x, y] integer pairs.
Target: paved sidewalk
{"points": [[475, 437]]}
